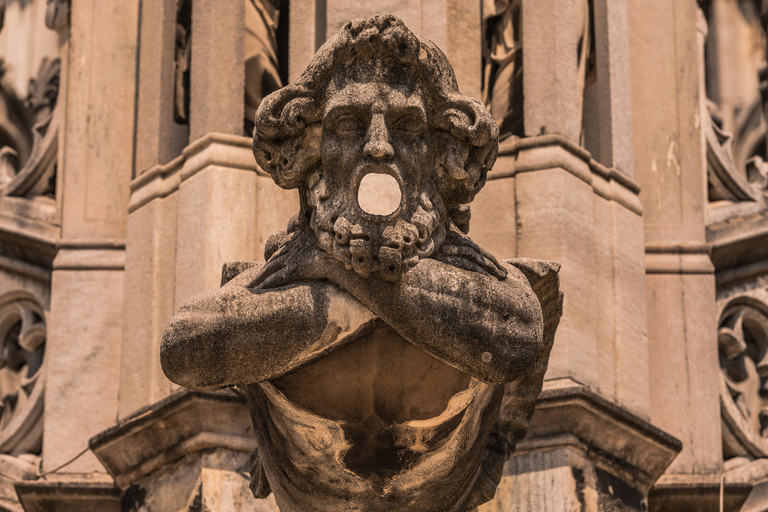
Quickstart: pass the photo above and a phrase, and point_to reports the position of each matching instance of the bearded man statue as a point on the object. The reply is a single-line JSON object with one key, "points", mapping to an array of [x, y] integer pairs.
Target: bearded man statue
{"points": [[375, 343]]}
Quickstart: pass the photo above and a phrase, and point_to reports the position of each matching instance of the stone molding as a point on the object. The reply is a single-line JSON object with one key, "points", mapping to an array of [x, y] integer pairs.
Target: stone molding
{"points": [[213, 149], [183, 423], [90, 255], [569, 414], [661, 258], [25, 269], [739, 249], [556, 151], [80, 496], [696, 492]]}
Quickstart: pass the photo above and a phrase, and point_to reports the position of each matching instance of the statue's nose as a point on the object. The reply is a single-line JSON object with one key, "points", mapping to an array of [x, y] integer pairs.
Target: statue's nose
{"points": [[377, 144]]}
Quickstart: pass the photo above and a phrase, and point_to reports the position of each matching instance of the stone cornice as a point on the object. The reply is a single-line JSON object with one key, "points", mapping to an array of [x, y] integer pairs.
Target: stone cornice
{"points": [[572, 415], [696, 492], [183, 423], [556, 151], [213, 149], [27, 247], [68, 495]]}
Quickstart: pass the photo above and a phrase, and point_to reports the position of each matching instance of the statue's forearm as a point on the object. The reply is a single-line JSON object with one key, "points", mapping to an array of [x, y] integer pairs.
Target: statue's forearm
{"points": [[492, 329], [236, 335]]}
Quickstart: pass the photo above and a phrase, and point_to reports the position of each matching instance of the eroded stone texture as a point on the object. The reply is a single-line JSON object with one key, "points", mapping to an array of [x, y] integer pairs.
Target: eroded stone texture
{"points": [[376, 341]]}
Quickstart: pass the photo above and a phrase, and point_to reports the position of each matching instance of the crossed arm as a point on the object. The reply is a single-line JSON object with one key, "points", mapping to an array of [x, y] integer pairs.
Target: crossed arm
{"points": [[270, 320]]}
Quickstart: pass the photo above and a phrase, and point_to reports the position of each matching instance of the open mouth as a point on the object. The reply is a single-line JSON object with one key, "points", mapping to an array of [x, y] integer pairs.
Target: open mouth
{"points": [[379, 194]]}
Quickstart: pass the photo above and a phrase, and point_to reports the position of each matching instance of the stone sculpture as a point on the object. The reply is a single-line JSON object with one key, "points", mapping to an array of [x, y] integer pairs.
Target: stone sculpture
{"points": [[375, 343]]}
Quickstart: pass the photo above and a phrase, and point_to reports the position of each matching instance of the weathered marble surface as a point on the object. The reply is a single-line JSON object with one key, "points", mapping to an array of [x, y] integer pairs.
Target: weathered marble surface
{"points": [[376, 342]]}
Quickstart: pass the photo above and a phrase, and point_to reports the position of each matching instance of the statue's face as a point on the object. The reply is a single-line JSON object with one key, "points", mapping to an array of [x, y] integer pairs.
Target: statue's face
{"points": [[376, 128], [376, 158]]}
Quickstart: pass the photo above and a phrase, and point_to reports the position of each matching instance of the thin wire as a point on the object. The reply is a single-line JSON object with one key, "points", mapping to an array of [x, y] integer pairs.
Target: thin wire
{"points": [[70, 461], [39, 474]]}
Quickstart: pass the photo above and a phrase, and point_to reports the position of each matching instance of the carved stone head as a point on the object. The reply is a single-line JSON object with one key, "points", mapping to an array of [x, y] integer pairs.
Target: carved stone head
{"points": [[381, 145]]}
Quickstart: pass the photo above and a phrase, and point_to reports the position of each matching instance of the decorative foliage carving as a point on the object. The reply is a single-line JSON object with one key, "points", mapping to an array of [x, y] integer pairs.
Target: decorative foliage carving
{"points": [[37, 175], [743, 345], [23, 336], [15, 122], [735, 169]]}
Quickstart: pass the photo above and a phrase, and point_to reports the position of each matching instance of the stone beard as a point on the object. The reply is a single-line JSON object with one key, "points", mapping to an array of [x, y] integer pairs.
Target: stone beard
{"points": [[375, 204], [374, 243]]}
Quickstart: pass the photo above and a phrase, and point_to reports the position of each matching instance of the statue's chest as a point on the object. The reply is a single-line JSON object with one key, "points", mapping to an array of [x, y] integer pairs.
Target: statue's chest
{"points": [[379, 377], [367, 418]]}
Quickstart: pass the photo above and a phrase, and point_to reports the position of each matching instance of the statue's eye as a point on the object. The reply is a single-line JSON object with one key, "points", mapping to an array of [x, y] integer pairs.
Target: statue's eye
{"points": [[409, 125], [347, 125]]}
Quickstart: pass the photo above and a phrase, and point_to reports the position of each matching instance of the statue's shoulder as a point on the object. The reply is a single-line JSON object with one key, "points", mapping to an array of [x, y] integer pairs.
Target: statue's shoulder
{"points": [[233, 269]]}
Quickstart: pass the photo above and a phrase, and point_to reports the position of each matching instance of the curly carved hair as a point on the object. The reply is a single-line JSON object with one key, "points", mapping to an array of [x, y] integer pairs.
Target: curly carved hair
{"points": [[287, 132]]}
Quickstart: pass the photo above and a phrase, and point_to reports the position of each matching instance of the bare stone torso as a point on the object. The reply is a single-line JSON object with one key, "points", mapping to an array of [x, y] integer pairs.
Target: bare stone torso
{"points": [[375, 382]]}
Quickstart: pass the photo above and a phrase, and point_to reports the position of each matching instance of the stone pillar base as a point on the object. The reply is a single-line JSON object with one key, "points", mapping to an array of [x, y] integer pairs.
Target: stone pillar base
{"points": [[681, 493], [582, 453], [188, 452]]}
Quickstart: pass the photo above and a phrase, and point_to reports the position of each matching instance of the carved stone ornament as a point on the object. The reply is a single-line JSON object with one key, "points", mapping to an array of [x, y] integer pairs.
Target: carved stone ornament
{"points": [[22, 335], [743, 342], [736, 171], [56, 14], [182, 61], [390, 363], [36, 175]]}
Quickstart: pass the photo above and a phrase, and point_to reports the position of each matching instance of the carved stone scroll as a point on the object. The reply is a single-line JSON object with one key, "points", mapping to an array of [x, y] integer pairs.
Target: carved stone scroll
{"points": [[376, 343]]}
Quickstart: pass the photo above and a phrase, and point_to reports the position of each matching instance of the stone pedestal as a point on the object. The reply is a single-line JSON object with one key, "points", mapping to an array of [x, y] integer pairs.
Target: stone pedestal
{"points": [[582, 452], [78, 495], [188, 452]]}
